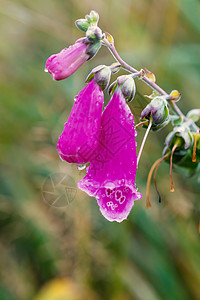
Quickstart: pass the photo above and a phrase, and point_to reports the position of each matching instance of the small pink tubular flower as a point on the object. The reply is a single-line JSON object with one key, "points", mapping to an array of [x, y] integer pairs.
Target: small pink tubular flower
{"points": [[66, 62], [79, 138], [111, 175]]}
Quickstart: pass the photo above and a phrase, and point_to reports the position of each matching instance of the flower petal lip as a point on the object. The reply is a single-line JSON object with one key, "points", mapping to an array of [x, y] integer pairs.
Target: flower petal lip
{"points": [[68, 60], [79, 138], [113, 168]]}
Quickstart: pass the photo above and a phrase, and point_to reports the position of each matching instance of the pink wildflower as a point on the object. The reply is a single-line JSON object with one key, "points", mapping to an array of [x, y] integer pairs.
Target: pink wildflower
{"points": [[111, 175]]}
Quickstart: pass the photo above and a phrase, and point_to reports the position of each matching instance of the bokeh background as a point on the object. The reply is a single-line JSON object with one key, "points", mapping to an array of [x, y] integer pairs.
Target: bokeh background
{"points": [[71, 252]]}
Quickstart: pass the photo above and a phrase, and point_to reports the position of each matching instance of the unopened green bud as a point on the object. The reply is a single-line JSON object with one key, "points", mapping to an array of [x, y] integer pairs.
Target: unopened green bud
{"points": [[101, 75], [82, 24], [127, 86], [90, 20], [93, 17], [158, 110]]}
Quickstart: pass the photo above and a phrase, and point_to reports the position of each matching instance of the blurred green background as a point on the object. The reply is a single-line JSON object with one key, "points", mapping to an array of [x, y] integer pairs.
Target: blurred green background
{"points": [[72, 252]]}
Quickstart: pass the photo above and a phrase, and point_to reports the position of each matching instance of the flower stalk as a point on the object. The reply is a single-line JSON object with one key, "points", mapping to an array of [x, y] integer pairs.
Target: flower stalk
{"points": [[149, 82]]}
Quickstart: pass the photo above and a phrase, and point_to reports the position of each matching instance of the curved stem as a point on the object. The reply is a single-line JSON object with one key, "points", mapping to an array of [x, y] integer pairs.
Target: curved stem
{"points": [[177, 110], [130, 69], [144, 140], [150, 83]]}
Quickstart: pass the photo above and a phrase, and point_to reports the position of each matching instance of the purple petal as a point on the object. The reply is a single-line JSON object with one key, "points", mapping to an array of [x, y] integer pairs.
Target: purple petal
{"points": [[79, 139], [66, 62], [113, 168]]}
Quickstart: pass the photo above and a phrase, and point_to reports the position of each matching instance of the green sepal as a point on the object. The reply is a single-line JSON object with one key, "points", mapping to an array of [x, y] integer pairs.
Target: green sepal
{"points": [[92, 73], [93, 48], [112, 87]]}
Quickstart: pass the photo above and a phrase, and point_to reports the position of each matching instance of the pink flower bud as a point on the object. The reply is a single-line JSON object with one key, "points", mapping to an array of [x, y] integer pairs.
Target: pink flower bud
{"points": [[111, 175], [66, 62], [79, 138]]}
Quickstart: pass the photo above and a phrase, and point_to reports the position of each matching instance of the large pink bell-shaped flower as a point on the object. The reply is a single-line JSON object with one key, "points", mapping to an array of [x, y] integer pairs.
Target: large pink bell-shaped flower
{"points": [[79, 139], [111, 175]]}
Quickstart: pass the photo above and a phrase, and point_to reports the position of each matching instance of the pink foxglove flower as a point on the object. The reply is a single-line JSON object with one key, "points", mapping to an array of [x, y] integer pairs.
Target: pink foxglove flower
{"points": [[79, 138], [66, 62], [111, 175]]}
